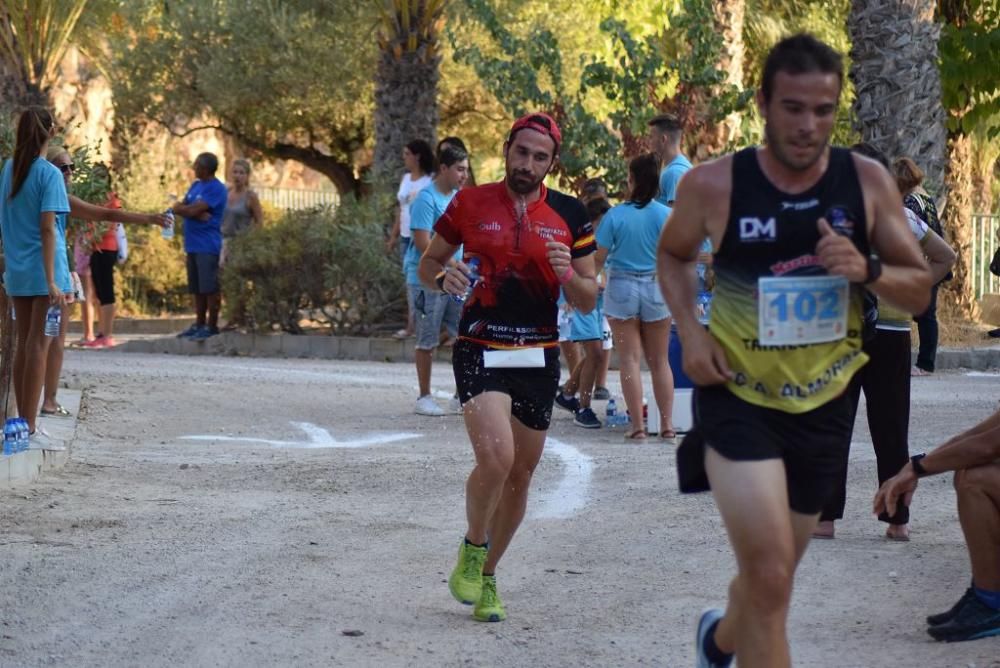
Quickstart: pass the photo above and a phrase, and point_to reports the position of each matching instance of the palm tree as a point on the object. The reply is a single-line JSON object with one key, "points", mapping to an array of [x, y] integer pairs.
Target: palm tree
{"points": [[714, 138], [897, 104], [406, 80]]}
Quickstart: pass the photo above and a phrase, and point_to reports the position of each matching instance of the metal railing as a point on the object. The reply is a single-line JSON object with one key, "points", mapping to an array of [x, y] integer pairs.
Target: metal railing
{"points": [[984, 245], [297, 198]]}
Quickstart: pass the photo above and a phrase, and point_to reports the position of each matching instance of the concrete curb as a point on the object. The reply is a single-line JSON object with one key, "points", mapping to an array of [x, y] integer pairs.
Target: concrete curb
{"points": [[28, 466], [393, 350]]}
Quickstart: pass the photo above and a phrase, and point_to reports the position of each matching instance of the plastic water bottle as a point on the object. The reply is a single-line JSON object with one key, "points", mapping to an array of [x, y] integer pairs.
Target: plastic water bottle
{"points": [[53, 321], [473, 264], [24, 433], [168, 231], [704, 306], [10, 436], [611, 417]]}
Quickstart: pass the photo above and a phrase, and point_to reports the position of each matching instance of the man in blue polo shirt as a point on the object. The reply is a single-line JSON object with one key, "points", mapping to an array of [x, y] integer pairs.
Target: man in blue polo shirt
{"points": [[202, 209]]}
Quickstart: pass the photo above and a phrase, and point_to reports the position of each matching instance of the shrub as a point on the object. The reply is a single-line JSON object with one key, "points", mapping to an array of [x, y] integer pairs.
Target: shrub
{"points": [[320, 265]]}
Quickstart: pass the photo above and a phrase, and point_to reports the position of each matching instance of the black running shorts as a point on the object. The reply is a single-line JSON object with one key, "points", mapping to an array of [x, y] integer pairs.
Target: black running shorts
{"points": [[532, 391], [811, 444]]}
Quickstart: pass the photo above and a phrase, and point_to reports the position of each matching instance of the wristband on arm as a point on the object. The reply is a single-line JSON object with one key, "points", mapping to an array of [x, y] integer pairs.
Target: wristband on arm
{"points": [[567, 275]]}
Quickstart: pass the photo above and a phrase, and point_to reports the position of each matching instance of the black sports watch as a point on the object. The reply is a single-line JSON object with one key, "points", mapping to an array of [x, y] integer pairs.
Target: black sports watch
{"points": [[874, 270], [918, 468]]}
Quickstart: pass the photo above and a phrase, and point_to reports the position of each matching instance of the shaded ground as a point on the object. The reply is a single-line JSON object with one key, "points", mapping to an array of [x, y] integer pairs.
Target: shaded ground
{"points": [[149, 549]]}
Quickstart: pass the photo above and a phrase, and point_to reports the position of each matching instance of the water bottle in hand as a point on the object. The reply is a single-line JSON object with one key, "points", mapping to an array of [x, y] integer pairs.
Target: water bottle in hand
{"points": [[53, 321], [473, 264], [704, 308], [168, 231]]}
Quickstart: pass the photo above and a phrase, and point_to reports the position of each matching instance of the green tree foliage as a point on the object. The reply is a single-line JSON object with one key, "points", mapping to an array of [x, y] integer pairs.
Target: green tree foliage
{"points": [[970, 65], [289, 79], [323, 266]]}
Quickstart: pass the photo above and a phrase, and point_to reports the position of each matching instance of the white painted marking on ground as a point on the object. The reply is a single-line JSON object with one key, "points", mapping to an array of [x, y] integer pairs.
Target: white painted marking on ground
{"points": [[572, 493], [318, 438], [982, 374]]}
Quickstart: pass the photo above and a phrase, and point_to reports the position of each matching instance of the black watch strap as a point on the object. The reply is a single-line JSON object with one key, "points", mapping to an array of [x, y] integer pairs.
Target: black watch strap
{"points": [[874, 270], [918, 466]]}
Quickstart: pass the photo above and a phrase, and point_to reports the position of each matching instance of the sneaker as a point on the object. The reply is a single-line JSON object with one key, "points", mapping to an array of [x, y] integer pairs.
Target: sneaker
{"points": [[98, 341], [601, 394], [190, 331], [455, 406], [466, 581], [972, 621], [42, 440], [707, 621], [942, 617], [585, 418], [427, 406], [489, 607], [571, 404], [204, 333]]}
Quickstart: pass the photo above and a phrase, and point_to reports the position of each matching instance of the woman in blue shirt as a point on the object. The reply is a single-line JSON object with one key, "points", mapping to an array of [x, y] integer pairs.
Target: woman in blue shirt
{"points": [[639, 317], [32, 195]]}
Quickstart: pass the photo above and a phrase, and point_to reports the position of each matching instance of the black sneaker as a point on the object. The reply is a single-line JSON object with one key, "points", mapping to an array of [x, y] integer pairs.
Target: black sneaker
{"points": [[572, 404], [601, 394], [585, 418], [973, 620], [189, 332], [942, 617]]}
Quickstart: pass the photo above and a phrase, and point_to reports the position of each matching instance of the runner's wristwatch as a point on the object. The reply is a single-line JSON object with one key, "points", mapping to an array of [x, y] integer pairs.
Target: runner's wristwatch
{"points": [[874, 270], [918, 468]]}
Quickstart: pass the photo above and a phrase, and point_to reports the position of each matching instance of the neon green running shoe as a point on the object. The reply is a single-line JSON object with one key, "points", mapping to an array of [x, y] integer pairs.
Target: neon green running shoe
{"points": [[489, 607], [466, 581]]}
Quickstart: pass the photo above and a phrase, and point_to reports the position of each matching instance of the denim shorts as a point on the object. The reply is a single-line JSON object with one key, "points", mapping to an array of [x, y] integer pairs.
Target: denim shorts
{"points": [[630, 295], [431, 310]]}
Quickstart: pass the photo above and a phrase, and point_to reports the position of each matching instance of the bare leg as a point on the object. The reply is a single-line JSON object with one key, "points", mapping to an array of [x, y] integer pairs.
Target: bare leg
{"points": [[29, 361], [979, 512], [88, 306], [53, 365], [768, 539], [107, 325], [602, 368], [423, 360], [487, 419], [528, 445], [214, 304], [628, 343], [571, 353], [655, 338], [588, 371], [200, 309]]}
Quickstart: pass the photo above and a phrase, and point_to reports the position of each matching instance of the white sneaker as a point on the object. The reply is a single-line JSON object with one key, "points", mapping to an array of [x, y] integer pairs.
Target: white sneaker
{"points": [[455, 406], [427, 406], [42, 440]]}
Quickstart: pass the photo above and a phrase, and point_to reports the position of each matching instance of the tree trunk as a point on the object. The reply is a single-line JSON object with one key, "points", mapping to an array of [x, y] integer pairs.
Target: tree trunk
{"points": [[405, 108], [894, 67], [714, 138], [957, 299]]}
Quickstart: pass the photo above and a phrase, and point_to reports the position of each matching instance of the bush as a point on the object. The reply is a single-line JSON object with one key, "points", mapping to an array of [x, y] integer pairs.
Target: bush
{"points": [[323, 266]]}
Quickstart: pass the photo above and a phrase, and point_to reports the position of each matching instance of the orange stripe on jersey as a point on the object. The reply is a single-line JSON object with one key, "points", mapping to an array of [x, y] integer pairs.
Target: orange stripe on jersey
{"points": [[583, 241]]}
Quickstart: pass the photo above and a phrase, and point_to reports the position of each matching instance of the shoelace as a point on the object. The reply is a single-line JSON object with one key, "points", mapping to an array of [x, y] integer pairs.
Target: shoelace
{"points": [[489, 596], [474, 564]]}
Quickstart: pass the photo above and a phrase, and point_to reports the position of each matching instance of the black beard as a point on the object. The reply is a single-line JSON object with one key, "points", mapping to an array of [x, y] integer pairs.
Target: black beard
{"points": [[516, 183]]}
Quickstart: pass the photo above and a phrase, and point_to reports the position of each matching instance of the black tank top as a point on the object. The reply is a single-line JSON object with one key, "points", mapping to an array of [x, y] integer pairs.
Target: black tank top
{"points": [[774, 234]]}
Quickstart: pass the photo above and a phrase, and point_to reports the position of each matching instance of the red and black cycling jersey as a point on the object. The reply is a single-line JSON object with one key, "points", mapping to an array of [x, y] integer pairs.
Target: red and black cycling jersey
{"points": [[514, 301]]}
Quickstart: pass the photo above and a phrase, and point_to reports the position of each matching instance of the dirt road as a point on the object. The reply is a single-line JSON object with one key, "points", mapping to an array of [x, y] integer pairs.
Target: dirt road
{"points": [[247, 512]]}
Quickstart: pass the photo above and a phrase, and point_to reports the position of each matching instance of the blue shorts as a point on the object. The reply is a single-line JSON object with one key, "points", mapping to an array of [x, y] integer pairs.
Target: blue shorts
{"points": [[631, 295], [431, 310]]}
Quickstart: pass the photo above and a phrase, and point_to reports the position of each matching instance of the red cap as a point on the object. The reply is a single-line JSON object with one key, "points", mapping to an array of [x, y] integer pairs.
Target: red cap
{"points": [[539, 122]]}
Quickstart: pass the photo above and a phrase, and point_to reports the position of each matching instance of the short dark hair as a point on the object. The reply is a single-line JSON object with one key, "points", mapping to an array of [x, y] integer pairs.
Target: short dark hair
{"points": [[594, 186], [425, 156], [666, 123], [597, 208], [871, 151], [800, 54], [645, 171], [208, 161], [449, 154]]}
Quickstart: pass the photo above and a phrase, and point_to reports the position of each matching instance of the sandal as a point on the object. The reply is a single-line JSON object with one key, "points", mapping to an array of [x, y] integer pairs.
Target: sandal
{"points": [[668, 435], [637, 435], [58, 412], [917, 371]]}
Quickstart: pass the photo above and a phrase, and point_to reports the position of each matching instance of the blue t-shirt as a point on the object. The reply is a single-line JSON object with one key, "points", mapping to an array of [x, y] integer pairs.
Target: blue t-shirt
{"points": [[205, 236], [62, 256], [43, 190], [630, 234], [669, 178], [424, 212]]}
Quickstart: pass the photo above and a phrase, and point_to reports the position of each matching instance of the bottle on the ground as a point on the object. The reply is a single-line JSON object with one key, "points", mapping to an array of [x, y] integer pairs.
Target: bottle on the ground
{"points": [[53, 320], [10, 436], [24, 434]]}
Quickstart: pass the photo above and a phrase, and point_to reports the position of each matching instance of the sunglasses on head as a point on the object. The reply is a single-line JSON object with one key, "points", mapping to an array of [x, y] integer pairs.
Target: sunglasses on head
{"points": [[68, 167]]}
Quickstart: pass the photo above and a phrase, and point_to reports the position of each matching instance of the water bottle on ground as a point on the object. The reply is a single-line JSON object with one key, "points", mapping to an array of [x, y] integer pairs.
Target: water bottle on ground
{"points": [[53, 321], [10, 436], [473, 264], [611, 416], [24, 433], [168, 231]]}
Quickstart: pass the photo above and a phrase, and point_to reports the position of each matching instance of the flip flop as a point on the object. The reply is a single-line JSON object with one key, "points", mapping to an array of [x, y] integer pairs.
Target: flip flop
{"points": [[58, 412], [637, 435], [668, 436]]}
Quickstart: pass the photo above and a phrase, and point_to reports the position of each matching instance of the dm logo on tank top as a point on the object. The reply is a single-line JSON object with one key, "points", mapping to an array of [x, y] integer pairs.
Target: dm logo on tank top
{"points": [[754, 229]]}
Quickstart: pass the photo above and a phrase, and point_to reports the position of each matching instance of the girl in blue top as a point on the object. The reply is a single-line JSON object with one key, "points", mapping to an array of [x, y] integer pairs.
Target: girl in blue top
{"points": [[639, 318], [32, 195]]}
